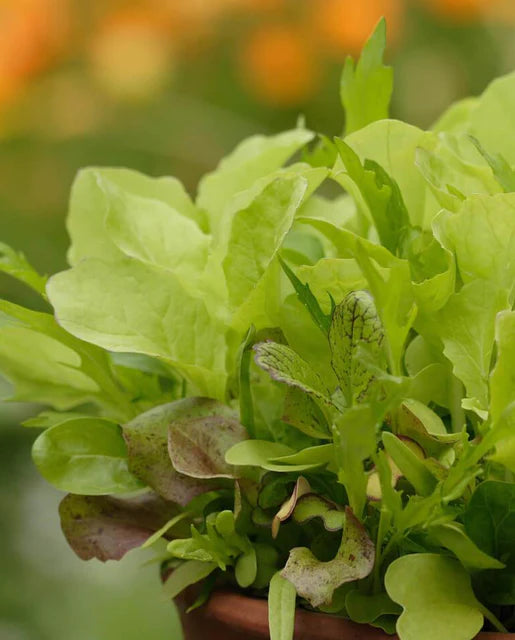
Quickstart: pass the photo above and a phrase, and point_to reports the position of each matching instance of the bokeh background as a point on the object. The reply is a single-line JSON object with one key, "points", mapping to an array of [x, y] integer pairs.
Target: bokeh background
{"points": [[168, 87]]}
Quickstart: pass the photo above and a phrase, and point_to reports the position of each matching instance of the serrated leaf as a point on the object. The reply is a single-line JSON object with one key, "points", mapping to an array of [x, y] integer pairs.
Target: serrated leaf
{"points": [[355, 321], [366, 88], [307, 298], [316, 581], [16, 265]]}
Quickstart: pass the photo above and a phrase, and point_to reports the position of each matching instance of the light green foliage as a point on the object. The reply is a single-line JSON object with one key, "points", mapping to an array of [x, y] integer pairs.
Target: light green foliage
{"points": [[16, 265], [436, 596], [466, 326], [185, 575], [366, 88], [46, 364], [366, 337], [482, 236], [281, 608], [85, 456]]}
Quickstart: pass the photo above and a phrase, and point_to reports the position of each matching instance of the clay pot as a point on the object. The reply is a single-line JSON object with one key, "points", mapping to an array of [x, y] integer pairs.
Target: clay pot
{"points": [[233, 616]]}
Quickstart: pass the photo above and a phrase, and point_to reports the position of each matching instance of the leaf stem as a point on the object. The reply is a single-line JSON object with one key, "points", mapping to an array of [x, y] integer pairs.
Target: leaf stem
{"points": [[492, 619]]}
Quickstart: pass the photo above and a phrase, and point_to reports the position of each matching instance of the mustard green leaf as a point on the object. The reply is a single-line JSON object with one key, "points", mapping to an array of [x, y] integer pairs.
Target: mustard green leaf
{"points": [[355, 321], [284, 365]]}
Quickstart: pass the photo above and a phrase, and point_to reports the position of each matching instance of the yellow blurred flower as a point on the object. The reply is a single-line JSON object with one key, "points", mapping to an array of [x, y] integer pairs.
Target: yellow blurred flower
{"points": [[278, 66], [132, 53], [343, 26]]}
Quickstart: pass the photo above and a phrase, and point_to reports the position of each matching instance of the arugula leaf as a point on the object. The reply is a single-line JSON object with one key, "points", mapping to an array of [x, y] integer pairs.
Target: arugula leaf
{"points": [[504, 174], [366, 88], [307, 298], [281, 608], [316, 581], [452, 536], [381, 194], [85, 456], [16, 265], [355, 321], [436, 596], [106, 528]]}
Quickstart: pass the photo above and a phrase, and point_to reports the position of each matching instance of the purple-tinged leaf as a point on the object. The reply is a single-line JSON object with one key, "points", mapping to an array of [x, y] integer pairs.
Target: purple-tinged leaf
{"points": [[147, 445], [197, 446], [107, 528]]}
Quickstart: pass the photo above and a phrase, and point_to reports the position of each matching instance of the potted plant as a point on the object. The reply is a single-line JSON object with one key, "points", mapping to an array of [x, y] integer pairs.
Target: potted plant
{"points": [[292, 392]]}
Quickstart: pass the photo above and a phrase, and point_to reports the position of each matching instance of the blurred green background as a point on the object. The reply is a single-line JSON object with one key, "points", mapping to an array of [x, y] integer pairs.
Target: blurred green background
{"points": [[168, 87]]}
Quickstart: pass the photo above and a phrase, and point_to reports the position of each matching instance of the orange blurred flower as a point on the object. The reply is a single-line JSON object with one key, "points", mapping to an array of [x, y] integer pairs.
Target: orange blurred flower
{"points": [[278, 66], [343, 26], [131, 54], [32, 34], [460, 9]]}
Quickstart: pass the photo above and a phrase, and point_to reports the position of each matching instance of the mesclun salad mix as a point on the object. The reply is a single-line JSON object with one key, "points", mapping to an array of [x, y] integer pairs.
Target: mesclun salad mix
{"points": [[291, 392]]}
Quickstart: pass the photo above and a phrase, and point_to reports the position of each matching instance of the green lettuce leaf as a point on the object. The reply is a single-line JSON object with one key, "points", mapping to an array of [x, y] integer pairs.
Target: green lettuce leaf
{"points": [[87, 456]]}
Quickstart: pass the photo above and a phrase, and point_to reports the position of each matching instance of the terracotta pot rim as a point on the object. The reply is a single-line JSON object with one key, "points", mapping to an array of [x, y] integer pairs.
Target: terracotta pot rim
{"points": [[250, 615]]}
